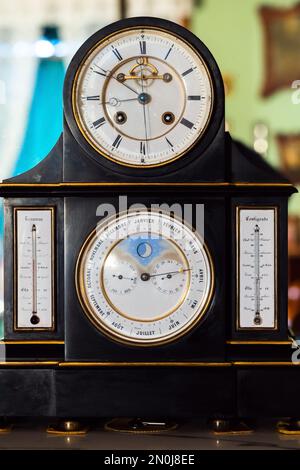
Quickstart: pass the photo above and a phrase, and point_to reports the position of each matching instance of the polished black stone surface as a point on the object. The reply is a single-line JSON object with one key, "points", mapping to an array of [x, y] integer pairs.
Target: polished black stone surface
{"points": [[188, 436]]}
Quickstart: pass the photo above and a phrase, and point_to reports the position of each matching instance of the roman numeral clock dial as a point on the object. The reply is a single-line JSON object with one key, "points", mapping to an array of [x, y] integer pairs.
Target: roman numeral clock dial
{"points": [[142, 97]]}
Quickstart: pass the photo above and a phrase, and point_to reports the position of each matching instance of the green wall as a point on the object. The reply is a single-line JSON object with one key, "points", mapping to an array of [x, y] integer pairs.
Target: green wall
{"points": [[233, 32]]}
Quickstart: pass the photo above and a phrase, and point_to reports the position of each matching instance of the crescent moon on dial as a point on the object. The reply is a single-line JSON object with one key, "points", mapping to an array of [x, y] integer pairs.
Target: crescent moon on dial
{"points": [[144, 250]]}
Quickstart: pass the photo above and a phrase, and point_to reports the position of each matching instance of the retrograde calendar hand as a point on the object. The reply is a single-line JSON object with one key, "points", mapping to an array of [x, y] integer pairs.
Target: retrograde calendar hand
{"points": [[147, 276]]}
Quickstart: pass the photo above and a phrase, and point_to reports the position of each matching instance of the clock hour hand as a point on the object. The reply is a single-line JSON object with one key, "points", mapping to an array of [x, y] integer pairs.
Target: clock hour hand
{"points": [[127, 86], [109, 74]]}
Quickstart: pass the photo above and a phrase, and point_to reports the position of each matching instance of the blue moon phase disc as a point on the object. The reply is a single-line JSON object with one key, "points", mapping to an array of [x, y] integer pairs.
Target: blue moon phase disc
{"points": [[144, 250]]}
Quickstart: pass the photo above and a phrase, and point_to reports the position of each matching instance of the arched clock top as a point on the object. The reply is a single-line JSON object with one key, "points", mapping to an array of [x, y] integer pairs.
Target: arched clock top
{"points": [[143, 93], [144, 102]]}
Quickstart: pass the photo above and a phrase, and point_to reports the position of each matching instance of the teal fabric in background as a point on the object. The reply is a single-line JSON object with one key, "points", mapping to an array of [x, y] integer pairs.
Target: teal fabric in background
{"points": [[45, 116]]}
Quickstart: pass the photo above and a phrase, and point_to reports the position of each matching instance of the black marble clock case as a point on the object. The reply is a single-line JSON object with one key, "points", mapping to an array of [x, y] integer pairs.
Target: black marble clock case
{"points": [[201, 374], [214, 369]]}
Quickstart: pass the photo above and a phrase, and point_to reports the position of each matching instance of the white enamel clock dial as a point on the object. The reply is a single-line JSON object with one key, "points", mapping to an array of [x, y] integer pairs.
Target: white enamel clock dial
{"points": [[142, 97], [144, 278]]}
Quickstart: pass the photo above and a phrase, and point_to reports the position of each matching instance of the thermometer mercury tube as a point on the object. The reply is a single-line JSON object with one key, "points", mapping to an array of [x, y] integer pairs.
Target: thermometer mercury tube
{"points": [[34, 318], [257, 318]]}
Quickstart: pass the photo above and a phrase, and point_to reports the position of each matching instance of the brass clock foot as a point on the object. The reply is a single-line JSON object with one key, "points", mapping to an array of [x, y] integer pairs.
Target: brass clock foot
{"points": [[5, 426], [229, 426], [139, 426], [67, 428], [289, 427]]}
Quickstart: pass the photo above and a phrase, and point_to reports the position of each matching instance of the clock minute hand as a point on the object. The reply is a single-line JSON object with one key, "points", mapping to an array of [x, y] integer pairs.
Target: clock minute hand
{"points": [[144, 116]]}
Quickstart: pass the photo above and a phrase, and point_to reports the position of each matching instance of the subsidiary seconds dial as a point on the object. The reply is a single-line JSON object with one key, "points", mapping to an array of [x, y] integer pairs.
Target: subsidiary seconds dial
{"points": [[142, 97], [144, 278]]}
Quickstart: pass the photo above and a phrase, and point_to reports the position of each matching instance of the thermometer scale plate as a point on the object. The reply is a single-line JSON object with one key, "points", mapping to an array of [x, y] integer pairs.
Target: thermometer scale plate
{"points": [[257, 268], [34, 259]]}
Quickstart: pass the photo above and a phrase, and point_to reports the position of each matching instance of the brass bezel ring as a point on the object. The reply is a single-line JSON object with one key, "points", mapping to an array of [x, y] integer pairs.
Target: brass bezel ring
{"points": [[115, 336], [76, 113]]}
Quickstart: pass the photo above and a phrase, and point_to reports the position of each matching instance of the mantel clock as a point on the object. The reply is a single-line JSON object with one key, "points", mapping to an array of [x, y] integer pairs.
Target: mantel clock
{"points": [[148, 251]]}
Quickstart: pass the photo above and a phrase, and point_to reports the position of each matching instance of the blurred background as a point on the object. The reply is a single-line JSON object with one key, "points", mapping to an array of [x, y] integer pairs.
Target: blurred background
{"points": [[255, 42]]}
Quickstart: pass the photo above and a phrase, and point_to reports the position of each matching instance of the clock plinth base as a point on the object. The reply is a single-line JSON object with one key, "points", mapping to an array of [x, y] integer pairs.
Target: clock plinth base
{"points": [[139, 426], [289, 427], [5, 426], [222, 426], [67, 428]]}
